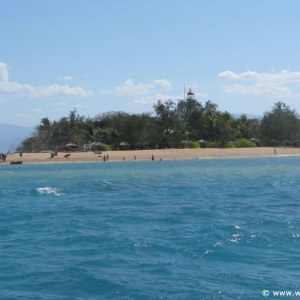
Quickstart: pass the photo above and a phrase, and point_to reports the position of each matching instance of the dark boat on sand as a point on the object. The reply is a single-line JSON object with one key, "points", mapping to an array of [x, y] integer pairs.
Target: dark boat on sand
{"points": [[19, 162]]}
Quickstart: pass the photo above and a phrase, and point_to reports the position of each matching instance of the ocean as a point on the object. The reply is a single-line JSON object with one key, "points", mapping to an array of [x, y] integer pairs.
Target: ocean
{"points": [[182, 229]]}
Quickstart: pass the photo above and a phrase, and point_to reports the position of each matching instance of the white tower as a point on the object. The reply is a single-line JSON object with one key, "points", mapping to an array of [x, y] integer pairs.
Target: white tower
{"points": [[190, 95]]}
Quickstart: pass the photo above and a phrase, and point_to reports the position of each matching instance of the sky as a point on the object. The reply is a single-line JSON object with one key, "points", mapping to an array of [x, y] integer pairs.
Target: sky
{"points": [[98, 56]]}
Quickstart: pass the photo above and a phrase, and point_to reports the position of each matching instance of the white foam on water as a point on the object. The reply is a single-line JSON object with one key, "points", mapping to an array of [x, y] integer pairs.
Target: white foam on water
{"points": [[147, 245], [48, 190]]}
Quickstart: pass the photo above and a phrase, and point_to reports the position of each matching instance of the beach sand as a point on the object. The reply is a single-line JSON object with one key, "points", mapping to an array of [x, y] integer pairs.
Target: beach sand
{"points": [[165, 154]]}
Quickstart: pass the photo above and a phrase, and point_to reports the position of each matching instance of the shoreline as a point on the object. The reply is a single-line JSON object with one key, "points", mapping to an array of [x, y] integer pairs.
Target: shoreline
{"points": [[159, 154]]}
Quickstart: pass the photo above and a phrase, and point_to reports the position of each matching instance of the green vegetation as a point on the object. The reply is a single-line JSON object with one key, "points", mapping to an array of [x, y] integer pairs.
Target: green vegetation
{"points": [[188, 123], [244, 143], [230, 145], [213, 145], [194, 145]]}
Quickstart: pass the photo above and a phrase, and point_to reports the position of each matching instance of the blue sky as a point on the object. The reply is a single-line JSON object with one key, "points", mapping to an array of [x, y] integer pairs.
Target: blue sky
{"points": [[100, 56]]}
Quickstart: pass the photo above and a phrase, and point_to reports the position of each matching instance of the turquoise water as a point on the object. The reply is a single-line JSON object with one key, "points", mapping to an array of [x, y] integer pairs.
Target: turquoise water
{"points": [[191, 229]]}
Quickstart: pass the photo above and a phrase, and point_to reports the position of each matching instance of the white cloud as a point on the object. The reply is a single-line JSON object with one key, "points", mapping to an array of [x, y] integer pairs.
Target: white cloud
{"points": [[190, 86], [24, 116], [162, 84], [129, 88], [24, 90], [3, 72], [60, 89], [65, 78], [82, 106], [284, 84], [151, 99], [60, 103], [37, 110], [199, 95]]}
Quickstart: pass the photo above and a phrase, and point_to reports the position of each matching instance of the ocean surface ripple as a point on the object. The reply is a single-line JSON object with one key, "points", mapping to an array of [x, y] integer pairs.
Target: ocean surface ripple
{"points": [[190, 229]]}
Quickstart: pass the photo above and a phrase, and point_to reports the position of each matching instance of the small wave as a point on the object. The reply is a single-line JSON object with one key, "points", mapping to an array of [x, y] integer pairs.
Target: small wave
{"points": [[48, 190], [208, 251], [295, 235], [142, 245], [234, 240], [218, 244]]}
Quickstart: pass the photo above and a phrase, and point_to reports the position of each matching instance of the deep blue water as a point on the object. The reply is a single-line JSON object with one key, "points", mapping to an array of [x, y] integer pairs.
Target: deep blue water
{"points": [[190, 229]]}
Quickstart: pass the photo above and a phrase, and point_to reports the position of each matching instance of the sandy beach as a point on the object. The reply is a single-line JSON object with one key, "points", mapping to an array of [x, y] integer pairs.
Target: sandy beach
{"points": [[166, 154]]}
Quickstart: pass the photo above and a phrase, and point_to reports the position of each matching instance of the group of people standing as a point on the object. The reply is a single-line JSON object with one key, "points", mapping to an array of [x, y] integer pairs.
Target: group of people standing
{"points": [[105, 157]]}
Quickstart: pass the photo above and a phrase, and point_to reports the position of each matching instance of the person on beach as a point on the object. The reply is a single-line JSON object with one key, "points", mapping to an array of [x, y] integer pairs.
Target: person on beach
{"points": [[275, 152], [21, 154], [152, 157]]}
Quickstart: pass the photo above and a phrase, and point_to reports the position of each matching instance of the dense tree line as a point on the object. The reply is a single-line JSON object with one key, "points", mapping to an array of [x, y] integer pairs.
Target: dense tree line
{"points": [[167, 127]]}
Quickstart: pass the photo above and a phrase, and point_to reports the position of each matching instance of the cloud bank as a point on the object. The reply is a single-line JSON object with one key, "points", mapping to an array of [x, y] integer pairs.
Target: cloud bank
{"points": [[24, 90], [284, 84], [154, 98], [146, 93], [65, 78], [129, 88]]}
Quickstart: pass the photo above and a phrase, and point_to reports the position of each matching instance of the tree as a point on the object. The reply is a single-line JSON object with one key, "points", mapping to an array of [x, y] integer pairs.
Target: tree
{"points": [[185, 108], [225, 128], [190, 113], [196, 125], [281, 124], [168, 127], [210, 121], [170, 124]]}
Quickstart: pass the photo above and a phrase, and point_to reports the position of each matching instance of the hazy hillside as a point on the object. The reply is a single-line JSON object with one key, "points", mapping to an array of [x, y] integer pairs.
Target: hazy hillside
{"points": [[12, 134]]}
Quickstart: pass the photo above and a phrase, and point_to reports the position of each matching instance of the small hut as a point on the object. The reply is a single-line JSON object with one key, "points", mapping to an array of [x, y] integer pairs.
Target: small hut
{"points": [[203, 143], [256, 141], [71, 147], [124, 146], [97, 146]]}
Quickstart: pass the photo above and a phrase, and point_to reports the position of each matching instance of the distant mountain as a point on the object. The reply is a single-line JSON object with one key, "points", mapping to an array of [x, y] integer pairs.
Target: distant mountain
{"points": [[13, 135]]}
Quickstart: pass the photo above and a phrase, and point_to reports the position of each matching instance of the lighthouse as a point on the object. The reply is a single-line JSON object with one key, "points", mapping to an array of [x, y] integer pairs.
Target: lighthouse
{"points": [[190, 95]]}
